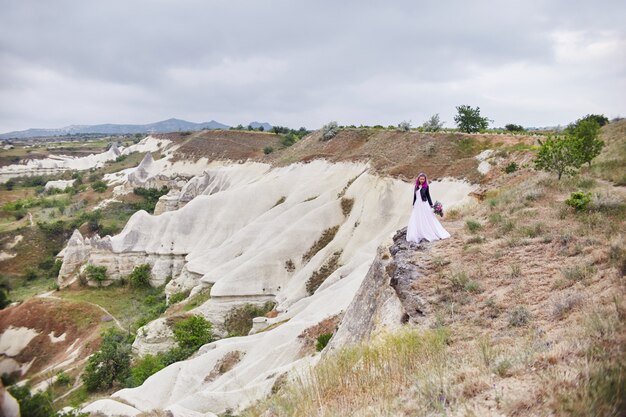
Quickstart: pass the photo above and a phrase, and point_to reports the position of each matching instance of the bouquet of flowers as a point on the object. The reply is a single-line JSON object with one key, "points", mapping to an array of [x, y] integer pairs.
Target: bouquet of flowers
{"points": [[438, 208]]}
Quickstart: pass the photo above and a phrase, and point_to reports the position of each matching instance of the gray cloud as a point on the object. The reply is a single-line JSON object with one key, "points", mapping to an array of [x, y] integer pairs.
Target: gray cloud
{"points": [[304, 63]]}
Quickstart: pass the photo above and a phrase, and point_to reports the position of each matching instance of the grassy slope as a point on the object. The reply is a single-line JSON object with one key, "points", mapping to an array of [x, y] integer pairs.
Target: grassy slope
{"points": [[533, 303]]}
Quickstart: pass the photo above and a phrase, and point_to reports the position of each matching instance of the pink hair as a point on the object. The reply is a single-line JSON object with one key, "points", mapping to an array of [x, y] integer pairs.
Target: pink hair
{"points": [[417, 180]]}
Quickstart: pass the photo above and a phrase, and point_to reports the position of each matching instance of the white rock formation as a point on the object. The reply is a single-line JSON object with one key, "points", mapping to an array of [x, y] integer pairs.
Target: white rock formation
{"points": [[59, 185], [483, 157], [59, 163], [237, 234], [8, 405]]}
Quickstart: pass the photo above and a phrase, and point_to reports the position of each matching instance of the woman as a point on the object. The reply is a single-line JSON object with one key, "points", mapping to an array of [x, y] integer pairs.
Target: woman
{"points": [[423, 224]]}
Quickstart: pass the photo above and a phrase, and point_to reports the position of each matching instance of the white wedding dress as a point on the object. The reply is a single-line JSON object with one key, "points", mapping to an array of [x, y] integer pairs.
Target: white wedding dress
{"points": [[423, 224]]}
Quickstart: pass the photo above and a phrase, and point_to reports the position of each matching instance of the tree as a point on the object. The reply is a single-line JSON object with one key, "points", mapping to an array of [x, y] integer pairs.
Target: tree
{"points": [[108, 365], [193, 332], [600, 119], [433, 124], [514, 128], [560, 155], [585, 132], [469, 119]]}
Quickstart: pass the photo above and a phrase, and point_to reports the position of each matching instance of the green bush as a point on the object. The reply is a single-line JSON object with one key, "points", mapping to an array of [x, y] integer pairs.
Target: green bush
{"points": [[473, 225], [63, 378], [151, 197], [4, 299], [140, 277], [33, 405], [178, 297], [193, 332], [510, 168], [99, 186], [579, 200], [144, 368], [30, 275], [96, 273], [268, 150], [322, 341], [110, 364], [238, 321]]}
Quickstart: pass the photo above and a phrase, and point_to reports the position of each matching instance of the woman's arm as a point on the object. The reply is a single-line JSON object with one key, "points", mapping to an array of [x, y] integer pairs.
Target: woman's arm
{"points": [[414, 195], [428, 195]]}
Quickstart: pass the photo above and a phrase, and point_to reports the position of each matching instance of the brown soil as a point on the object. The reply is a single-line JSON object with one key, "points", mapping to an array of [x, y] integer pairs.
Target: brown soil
{"points": [[310, 335], [222, 145], [50, 316]]}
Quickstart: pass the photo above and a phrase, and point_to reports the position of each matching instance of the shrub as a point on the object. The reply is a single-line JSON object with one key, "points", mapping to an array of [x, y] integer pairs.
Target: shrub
{"points": [[144, 368], [140, 277], [30, 275], [193, 332], [99, 186], [510, 168], [63, 378], [238, 321], [268, 150], [151, 197], [330, 130], [346, 205], [178, 297], [578, 272], [318, 277], [519, 316], [110, 364], [503, 368], [322, 341], [579, 200], [96, 273], [433, 124], [38, 404], [473, 225], [4, 299], [559, 155], [514, 128], [404, 126], [290, 266]]}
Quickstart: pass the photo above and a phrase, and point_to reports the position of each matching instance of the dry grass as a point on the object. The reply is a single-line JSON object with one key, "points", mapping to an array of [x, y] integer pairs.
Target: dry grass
{"points": [[367, 378], [318, 277], [327, 236]]}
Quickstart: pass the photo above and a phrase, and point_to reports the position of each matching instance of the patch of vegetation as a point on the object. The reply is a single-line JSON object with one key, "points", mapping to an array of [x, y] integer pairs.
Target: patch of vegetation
{"points": [[519, 316], [238, 321], [268, 150], [580, 272], [4, 299], [346, 205], [322, 341], [469, 120], [579, 200], [140, 276], [290, 266], [96, 273], [198, 299], [510, 168], [178, 297], [433, 124], [318, 277], [110, 365], [329, 130], [327, 236], [193, 332], [151, 197], [473, 225], [99, 186], [145, 367]]}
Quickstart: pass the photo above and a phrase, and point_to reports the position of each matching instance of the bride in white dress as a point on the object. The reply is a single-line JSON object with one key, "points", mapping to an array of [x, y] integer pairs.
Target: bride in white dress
{"points": [[423, 225]]}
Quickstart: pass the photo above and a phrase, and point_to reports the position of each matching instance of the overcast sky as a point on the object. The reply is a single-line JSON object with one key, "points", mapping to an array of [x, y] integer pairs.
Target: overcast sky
{"points": [[304, 63]]}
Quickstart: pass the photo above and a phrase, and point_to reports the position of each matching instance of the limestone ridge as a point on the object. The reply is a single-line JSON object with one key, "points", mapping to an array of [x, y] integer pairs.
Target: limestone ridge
{"points": [[384, 300]]}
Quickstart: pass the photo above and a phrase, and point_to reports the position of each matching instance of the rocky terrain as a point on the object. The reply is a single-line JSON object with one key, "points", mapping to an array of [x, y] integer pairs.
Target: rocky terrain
{"points": [[316, 229]]}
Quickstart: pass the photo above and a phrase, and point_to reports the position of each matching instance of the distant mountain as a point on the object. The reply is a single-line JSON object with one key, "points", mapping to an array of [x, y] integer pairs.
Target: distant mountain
{"points": [[169, 125], [266, 126]]}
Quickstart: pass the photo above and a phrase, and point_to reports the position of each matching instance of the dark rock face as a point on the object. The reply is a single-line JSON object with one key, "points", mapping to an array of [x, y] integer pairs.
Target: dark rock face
{"points": [[385, 299]]}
